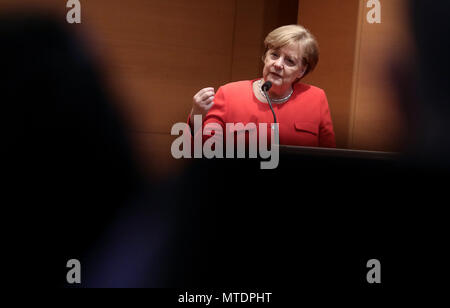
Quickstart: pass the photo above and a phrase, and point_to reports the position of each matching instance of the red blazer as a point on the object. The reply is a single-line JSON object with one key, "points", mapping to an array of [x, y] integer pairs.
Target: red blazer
{"points": [[304, 120]]}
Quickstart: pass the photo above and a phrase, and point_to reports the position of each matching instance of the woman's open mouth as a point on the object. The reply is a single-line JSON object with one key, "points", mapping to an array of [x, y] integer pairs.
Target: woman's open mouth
{"points": [[276, 75]]}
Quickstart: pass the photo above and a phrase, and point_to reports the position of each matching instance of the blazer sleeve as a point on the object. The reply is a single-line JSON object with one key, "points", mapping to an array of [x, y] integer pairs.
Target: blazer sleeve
{"points": [[326, 131]]}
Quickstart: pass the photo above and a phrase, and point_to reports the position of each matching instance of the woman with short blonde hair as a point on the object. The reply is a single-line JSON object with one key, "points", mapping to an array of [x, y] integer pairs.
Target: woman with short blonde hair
{"points": [[292, 34], [302, 110]]}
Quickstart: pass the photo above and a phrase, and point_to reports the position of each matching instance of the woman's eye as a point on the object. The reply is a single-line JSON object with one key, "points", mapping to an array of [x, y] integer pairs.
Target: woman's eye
{"points": [[274, 55], [290, 62]]}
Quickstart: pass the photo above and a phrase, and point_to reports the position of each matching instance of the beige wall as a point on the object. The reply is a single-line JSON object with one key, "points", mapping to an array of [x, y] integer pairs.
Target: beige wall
{"points": [[334, 24], [353, 69], [158, 54], [376, 122]]}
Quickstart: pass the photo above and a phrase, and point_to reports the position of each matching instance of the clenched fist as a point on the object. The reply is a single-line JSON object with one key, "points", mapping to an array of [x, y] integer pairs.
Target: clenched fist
{"points": [[201, 103]]}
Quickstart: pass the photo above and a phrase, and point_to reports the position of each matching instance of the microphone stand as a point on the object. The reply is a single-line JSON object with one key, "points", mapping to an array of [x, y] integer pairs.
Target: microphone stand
{"points": [[265, 87]]}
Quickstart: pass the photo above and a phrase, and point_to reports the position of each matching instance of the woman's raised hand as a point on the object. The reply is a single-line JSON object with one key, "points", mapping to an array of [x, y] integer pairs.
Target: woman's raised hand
{"points": [[202, 101]]}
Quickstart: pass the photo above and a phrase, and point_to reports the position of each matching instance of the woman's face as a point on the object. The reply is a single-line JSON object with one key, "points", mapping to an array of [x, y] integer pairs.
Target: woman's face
{"points": [[282, 67]]}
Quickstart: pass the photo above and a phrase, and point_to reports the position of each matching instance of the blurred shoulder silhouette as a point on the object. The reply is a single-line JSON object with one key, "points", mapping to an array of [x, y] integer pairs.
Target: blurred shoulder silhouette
{"points": [[67, 164], [421, 82]]}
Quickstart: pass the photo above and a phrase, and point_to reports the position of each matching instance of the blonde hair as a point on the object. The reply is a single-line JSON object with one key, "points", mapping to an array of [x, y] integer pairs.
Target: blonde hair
{"points": [[291, 34]]}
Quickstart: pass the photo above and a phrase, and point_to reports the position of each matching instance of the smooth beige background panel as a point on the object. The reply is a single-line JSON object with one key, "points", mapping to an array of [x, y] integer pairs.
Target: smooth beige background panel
{"points": [[158, 54], [376, 119], [163, 51], [353, 69], [334, 23]]}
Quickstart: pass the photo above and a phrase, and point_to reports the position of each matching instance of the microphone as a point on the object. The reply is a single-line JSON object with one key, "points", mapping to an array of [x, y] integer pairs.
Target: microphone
{"points": [[266, 87]]}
